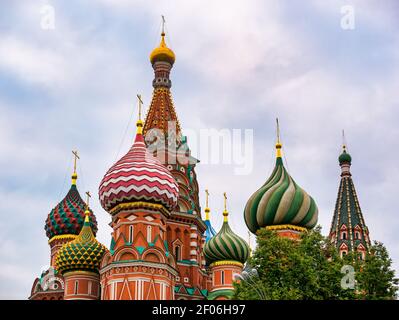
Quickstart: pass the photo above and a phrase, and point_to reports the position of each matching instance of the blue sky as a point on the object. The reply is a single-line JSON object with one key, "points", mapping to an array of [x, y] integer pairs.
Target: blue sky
{"points": [[239, 65]]}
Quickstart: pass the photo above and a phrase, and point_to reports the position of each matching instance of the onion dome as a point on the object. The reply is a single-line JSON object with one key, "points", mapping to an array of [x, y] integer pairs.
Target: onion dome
{"points": [[226, 245], [280, 202], [82, 254], [68, 216], [344, 157], [162, 52], [138, 176]]}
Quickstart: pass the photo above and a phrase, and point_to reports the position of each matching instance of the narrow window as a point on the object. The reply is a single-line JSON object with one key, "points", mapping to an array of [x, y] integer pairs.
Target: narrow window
{"points": [[344, 235], [76, 287], [222, 277], [177, 253], [89, 288], [131, 234]]}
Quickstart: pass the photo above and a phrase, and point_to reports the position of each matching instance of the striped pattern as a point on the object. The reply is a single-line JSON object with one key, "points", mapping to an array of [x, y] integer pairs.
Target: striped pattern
{"points": [[226, 245], [68, 216], [82, 254], [138, 176], [280, 201]]}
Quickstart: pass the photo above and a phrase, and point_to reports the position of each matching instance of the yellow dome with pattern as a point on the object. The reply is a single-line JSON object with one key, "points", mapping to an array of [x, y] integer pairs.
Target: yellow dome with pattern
{"points": [[162, 52], [82, 254]]}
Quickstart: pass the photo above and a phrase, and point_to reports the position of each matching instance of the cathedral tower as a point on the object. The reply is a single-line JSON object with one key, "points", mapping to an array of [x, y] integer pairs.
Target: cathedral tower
{"points": [[139, 193], [79, 263], [348, 232], [163, 136], [62, 225], [225, 254]]}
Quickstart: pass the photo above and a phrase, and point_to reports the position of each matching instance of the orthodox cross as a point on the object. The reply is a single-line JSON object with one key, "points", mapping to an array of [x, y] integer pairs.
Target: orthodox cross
{"points": [[76, 156], [140, 104], [163, 24], [278, 131], [343, 140], [88, 196], [207, 196], [225, 201]]}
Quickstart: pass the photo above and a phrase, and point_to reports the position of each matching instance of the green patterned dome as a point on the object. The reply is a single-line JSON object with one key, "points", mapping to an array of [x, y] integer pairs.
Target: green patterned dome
{"points": [[82, 254], [345, 157], [68, 216], [226, 246], [280, 201]]}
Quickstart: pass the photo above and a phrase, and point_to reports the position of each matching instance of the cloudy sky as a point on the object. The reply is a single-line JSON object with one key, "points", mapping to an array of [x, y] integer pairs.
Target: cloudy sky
{"points": [[239, 65]]}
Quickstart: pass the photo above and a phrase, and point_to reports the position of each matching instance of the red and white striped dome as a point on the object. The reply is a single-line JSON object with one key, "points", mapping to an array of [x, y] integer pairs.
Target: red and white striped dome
{"points": [[138, 176]]}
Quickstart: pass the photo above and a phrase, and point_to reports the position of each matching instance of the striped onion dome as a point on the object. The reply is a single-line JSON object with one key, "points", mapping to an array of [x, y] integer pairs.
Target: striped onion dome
{"points": [[68, 216], [280, 201], [83, 253], [226, 245], [138, 176]]}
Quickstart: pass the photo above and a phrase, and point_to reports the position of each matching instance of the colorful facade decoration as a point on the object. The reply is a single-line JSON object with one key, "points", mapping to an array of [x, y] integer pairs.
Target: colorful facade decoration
{"points": [[158, 238], [348, 232], [79, 263], [161, 248], [280, 204]]}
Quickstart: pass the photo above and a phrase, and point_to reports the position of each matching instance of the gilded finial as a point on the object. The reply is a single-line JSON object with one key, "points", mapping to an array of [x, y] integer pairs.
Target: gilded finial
{"points": [[139, 123], [225, 212], [87, 212], [207, 210], [278, 143], [74, 174], [343, 141]]}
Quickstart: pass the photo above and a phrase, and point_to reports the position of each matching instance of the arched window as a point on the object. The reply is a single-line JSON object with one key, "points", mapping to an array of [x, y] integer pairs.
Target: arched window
{"points": [[178, 253], [222, 277], [343, 235], [76, 287], [358, 236], [131, 234], [343, 254], [149, 234]]}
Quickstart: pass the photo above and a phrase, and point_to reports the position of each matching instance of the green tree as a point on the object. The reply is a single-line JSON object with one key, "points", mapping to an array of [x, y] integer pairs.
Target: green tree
{"points": [[375, 278], [312, 269]]}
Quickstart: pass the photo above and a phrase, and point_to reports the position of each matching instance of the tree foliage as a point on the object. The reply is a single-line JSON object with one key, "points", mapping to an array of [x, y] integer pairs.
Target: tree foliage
{"points": [[310, 269]]}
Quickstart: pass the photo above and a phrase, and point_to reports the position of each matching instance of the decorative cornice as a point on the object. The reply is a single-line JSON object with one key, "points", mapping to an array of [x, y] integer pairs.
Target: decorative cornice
{"points": [[139, 205], [286, 227], [226, 262], [83, 272], [62, 237]]}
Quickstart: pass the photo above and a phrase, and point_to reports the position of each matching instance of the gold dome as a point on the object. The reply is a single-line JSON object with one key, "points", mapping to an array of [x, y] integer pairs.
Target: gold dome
{"points": [[162, 52]]}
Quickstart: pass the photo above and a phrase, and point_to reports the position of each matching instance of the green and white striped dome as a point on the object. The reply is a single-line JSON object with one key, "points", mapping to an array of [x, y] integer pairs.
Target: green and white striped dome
{"points": [[226, 246], [280, 201]]}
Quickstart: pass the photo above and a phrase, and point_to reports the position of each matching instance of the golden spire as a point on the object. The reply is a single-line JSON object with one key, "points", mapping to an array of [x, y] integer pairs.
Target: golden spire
{"points": [[139, 123], [207, 210], [278, 144], [87, 212], [74, 174], [225, 212]]}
